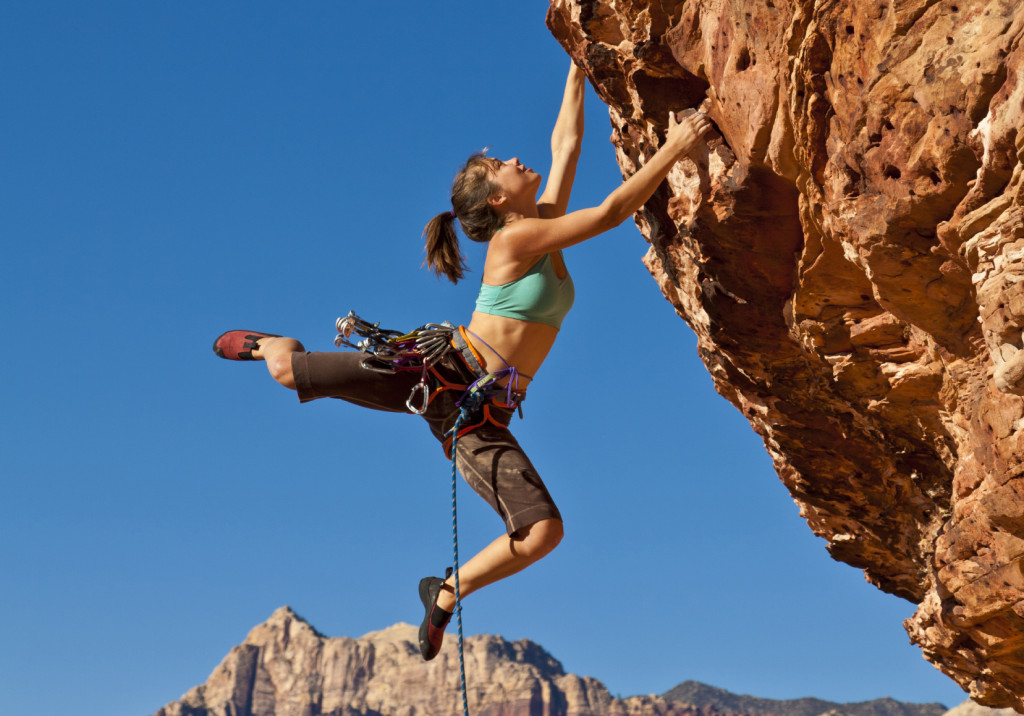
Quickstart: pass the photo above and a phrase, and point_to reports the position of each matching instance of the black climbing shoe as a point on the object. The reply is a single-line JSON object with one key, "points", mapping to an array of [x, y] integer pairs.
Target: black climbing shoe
{"points": [[435, 620]]}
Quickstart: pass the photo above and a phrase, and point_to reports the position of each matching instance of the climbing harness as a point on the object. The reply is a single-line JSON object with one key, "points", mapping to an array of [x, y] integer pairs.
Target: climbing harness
{"points": [[390, 351]]}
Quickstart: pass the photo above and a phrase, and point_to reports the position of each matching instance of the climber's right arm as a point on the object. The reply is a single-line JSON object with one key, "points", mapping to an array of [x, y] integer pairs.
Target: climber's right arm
{"points": [[535, 237]]}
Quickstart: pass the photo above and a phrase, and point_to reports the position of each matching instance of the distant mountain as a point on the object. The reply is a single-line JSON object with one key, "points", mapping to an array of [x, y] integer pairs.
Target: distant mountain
{"points": [[704, 696], [285, 667]]}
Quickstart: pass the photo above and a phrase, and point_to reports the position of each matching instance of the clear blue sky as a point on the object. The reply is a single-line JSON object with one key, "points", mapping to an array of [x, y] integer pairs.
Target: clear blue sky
{"points": [[170, 170]]}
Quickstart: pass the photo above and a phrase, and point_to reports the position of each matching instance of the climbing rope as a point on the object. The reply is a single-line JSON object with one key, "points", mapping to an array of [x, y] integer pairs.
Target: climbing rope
{"points": [[469, 404], [391, 351]]}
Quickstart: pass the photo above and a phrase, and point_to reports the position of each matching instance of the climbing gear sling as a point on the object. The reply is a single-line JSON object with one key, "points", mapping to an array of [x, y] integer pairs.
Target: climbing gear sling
{"points": [[391, 351]]}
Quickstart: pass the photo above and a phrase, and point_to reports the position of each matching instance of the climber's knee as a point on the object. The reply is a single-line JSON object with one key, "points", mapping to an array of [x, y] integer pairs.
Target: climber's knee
{"points": [[280, 367], [540, 538]]}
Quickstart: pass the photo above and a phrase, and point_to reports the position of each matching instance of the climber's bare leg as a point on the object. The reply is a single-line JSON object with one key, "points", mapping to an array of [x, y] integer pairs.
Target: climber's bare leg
{"points": [[502, 558]]}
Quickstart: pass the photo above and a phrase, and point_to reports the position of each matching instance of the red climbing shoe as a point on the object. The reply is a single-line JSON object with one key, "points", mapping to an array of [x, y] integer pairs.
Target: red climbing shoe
{"points": [[238, 345], [435, 620]]}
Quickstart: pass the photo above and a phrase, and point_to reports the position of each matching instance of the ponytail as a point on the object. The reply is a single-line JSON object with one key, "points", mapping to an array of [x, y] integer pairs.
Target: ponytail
{"points": [[443, 255], [471, 190]]}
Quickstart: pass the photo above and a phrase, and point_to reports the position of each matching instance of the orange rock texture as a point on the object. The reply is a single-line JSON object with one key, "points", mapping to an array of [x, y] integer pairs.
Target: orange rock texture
{"points": [[849, 251]]}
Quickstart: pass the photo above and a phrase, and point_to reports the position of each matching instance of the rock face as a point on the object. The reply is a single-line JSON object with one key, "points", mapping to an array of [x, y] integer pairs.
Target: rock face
{"points": [[286, 668], [850, 253]]}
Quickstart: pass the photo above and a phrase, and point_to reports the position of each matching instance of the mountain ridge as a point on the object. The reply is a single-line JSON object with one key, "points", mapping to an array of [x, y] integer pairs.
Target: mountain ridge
{"points": [[707, 696], [285, 667]]}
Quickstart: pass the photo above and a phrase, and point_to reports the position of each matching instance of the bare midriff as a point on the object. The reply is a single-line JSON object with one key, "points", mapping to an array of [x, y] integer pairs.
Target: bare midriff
{"points": [[523, 344]]}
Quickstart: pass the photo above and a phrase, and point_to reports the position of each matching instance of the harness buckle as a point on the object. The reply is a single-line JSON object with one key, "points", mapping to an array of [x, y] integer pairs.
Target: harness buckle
{"points": [[423, 389]]}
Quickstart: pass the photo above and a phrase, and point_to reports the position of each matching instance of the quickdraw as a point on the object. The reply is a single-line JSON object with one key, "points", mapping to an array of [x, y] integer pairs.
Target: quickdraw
{"points": [[392, 351]]}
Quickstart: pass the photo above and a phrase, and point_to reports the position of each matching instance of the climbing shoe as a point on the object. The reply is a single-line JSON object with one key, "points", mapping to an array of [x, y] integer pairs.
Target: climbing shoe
{"points": [[435, 620], [238, 345]]}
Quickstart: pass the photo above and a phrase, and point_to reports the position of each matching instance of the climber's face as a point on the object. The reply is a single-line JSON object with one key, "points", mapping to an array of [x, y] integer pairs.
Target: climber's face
{"points": [[515, 180]]}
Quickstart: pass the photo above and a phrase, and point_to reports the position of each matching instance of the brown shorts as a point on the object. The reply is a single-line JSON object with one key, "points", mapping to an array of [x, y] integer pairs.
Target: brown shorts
{"points": [[489, 457]]}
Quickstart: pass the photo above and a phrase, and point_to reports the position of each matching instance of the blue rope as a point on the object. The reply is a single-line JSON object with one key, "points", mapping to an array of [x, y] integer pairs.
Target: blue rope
{"points": [[471, 402], [468, 405]]}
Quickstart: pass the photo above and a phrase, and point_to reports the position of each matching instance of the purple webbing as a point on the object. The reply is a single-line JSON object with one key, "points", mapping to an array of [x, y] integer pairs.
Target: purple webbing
{"points": [[512, 387]]}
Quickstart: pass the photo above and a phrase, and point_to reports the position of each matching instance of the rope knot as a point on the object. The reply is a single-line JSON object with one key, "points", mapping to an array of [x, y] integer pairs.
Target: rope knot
{"points": [[470, 402]]}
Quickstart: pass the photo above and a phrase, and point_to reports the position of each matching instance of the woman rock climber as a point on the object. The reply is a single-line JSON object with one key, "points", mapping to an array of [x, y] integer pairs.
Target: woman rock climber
{"points": [[525, 294]]}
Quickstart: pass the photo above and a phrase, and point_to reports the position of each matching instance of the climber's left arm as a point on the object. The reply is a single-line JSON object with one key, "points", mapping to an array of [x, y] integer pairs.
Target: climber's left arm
{"points": [[566, 140]]}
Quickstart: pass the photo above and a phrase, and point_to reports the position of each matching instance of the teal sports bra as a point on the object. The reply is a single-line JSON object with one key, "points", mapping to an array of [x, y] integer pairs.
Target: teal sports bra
{"points": [[538, 296]]}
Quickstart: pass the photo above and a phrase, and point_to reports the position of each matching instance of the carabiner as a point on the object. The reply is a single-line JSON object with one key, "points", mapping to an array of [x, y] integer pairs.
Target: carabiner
{"points": [[423, 388]]}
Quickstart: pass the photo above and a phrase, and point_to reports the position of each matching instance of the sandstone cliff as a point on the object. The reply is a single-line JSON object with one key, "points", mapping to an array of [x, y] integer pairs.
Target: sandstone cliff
{"points": [[850, 253], [286, 668]]}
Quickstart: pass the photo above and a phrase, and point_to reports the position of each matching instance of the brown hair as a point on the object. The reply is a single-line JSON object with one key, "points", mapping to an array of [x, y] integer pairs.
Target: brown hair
{"points": [[472, 187]]}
